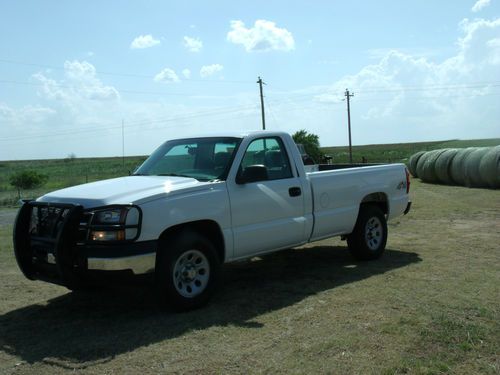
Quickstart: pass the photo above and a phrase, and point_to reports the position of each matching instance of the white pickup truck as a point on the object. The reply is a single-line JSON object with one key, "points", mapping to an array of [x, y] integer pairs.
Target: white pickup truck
{"points": [[199, 202]]}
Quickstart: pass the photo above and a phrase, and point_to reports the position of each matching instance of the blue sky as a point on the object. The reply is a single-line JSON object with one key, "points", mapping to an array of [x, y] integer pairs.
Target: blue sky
{"points": [[70, 72]]}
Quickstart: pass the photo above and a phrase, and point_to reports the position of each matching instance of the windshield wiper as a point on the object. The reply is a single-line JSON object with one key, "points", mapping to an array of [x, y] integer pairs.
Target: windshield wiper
{"points": [[175, 175]]}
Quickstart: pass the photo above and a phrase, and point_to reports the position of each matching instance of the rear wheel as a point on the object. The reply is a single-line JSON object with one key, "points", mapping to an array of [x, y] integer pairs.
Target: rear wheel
{"points": [[186, 272], [369, 237]]}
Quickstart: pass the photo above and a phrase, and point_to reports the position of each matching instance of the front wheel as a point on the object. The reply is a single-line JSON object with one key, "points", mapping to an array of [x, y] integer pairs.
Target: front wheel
{"points": [[186, 272], [369, 237]]}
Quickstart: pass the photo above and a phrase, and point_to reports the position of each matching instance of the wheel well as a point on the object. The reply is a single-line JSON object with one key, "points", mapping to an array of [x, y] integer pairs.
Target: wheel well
{"points": [[378, 199], [208, 228]]}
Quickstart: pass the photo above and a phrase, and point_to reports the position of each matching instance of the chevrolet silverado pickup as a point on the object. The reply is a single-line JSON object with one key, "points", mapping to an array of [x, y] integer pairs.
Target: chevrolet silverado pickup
{"points": [[197, 203]]}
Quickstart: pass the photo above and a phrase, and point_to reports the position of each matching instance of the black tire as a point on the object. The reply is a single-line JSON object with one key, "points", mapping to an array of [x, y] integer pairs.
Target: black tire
{"points": [[367, 240], [192, 260]]}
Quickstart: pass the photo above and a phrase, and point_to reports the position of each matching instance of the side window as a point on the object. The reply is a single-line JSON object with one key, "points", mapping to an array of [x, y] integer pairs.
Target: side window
{"points": [[271, 153]]}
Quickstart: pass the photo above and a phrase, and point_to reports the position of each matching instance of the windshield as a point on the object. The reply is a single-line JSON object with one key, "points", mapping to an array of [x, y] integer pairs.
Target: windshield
{"points": [[204, 159]]}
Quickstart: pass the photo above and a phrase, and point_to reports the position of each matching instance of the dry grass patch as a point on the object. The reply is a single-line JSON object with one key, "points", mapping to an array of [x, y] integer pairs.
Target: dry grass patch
{"points": [[429, 306]]}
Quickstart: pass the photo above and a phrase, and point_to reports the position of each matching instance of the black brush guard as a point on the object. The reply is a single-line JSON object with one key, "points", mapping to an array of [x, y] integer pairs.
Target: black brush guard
{"points": [[45, 237]]}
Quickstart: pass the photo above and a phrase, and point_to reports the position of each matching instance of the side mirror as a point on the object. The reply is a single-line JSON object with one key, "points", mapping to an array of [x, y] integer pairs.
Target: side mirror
{"points": [[252, 173]]}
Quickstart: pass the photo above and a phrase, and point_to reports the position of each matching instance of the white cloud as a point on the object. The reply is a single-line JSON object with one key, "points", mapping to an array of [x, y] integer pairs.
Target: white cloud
{"points": [[480, 4], [264, 36], [186, 73], [478, 40], [167, 75], [25, 115], [81, 82], [193, 44], [401, 96], [50, 89], [208, 70], [412, 98], [144, 41]]}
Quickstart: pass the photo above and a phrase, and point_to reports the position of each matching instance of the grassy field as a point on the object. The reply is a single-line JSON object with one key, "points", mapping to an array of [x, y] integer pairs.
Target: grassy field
{"points": [[63, 173], [400, 153], [429, 306], [74, 171]]}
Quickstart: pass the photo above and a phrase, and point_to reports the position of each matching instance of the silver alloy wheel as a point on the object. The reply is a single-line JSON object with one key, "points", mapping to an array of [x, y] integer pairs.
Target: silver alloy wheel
{"points": [[191, 273], [374, 233]]}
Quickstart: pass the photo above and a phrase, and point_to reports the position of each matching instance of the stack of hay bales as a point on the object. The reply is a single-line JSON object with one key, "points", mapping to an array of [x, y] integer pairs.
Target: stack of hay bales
{"points": [[443, 166], [472, 166], [412, 166], [458, 165], [426, 166], [489, 167], [472, 176]]}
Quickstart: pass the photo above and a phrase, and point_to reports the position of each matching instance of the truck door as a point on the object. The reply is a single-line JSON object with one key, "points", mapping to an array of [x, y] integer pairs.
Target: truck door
{"points": [[267, 202]]}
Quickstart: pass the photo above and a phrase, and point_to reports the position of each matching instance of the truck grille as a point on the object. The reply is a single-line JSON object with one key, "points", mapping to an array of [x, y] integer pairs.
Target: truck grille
{"points": [[44, 240], [46, 221]]}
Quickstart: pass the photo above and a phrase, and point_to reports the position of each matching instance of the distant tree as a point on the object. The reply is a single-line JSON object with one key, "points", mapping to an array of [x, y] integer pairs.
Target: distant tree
{"points": [[25, 180], [70, 157], [311, 144]]}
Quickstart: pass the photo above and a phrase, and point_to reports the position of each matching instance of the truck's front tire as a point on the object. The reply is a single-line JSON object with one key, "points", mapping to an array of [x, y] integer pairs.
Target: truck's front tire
{"points": [[187, 270], [369, 237]]}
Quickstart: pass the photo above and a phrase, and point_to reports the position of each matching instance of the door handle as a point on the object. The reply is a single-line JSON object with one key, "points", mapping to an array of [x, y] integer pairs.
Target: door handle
{"points": [[294, 191]]}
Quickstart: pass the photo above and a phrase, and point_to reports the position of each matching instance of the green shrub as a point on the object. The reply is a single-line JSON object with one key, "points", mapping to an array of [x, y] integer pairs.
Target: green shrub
{"points": [[28, 179]]}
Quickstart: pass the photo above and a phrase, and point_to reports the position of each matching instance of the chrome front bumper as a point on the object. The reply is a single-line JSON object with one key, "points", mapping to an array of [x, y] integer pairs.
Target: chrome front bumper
{"points": [[139, 264]]}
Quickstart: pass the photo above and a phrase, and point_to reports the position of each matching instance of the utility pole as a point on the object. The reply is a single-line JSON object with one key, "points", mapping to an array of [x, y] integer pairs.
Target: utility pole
{"points": [[123, 144], [260, 82], [348, 96]]}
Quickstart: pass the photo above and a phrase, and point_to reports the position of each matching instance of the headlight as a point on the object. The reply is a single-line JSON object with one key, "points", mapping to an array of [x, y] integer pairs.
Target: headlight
{"points": [[110, 216], [110, 235], [115, 224]]}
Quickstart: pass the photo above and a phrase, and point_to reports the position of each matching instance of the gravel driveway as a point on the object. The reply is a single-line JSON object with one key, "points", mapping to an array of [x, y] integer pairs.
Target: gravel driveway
{"points": [[7, 216]]}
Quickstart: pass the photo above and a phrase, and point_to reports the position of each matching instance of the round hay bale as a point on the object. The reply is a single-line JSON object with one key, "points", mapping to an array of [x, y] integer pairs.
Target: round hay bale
{"points": [[472, 161], [457, 170], [412, 165], [428, 166], [443, 164], [489, 167], [419, 170]]}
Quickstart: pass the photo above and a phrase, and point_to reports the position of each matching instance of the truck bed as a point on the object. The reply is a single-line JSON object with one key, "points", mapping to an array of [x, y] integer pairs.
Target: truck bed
{"points": [[330, 167]]}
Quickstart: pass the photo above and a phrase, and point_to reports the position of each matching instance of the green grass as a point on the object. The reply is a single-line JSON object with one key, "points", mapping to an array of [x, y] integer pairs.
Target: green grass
{"points": [[399, 152], [63, 173], [428, 306]]}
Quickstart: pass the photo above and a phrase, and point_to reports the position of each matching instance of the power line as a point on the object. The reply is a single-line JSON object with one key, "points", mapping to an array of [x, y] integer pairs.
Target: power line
{"points": [[376, 90], [221, 111], [15, 62], [58, 85], [297, 96], [37, 140], [432, 97], [268, 105]]}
